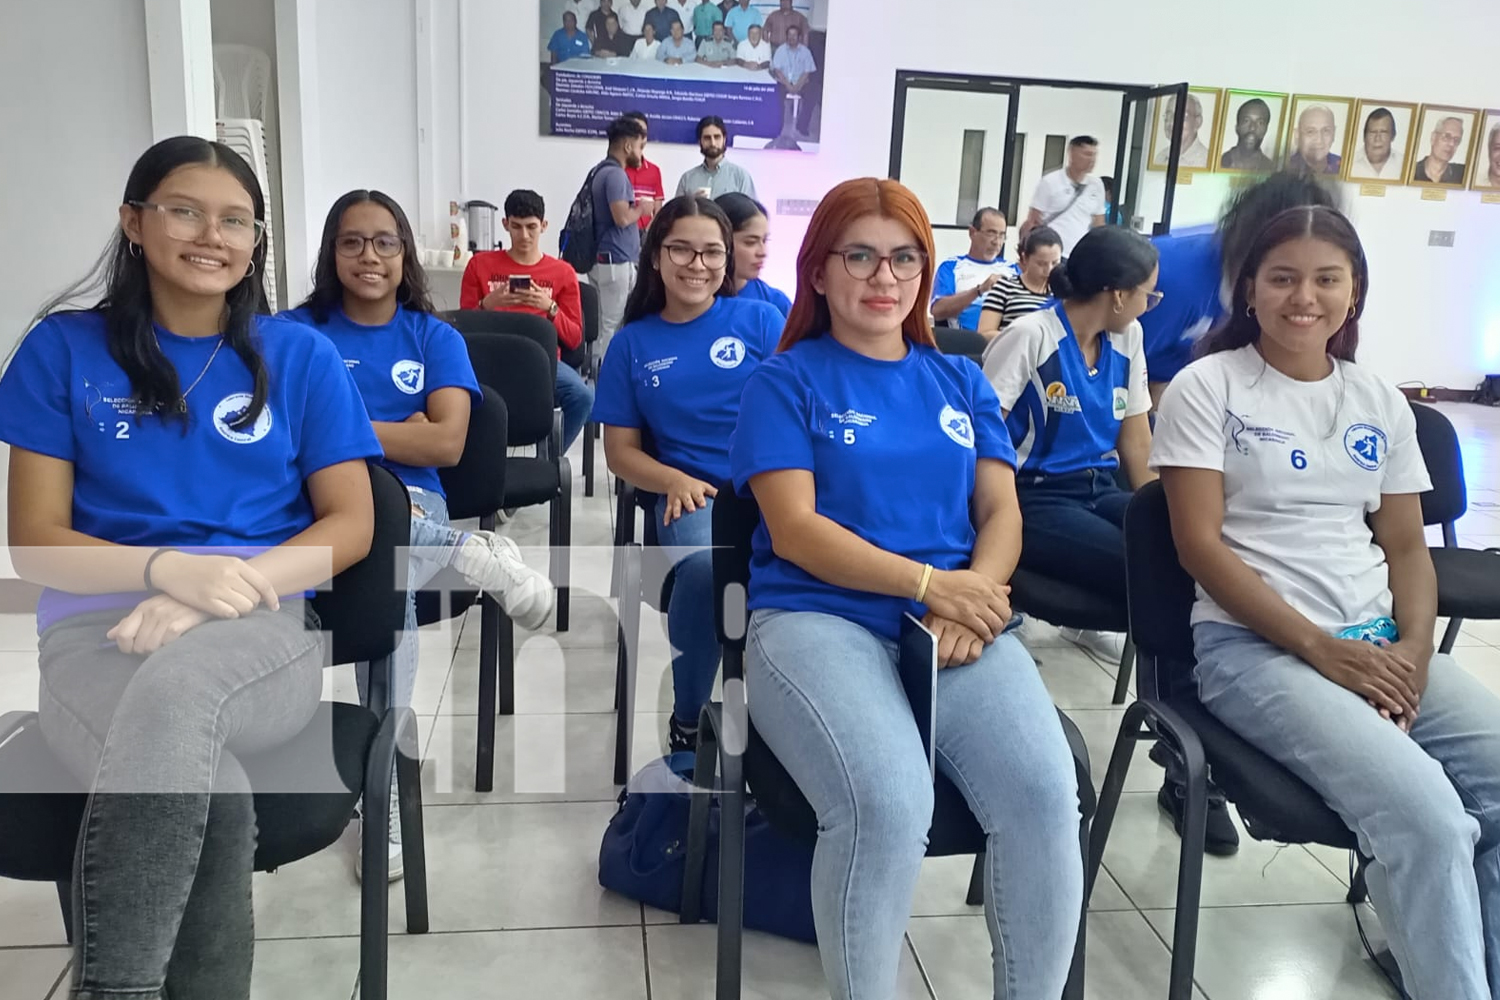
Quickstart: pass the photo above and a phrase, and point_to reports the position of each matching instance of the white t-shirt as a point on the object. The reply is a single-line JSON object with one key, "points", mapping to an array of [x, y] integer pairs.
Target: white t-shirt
{"points": [[644, 49], [754, 53], [1303, 464], [633, 17], [1054, 192]]}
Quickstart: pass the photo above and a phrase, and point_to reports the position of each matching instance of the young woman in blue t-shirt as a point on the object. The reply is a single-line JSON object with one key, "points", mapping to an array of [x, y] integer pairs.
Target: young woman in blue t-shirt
{"points": [[673, 374], [886, 484], [182, 471], [370, 298], [751, 239]]}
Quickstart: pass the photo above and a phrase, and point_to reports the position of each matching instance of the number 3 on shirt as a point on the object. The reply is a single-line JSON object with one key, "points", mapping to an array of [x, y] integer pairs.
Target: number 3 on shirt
{"points": [[1299, 459]]}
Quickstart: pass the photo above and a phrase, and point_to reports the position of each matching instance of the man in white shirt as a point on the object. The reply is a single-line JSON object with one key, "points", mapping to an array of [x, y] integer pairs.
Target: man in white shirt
{"points": [[755, 51], [632, 16], [684, 9], [1194, 155], [1376, 156], [1069, 200]]}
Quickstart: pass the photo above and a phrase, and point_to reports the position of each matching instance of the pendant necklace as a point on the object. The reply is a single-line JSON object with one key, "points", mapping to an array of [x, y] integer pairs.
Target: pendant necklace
{"points": [[181, 404]]}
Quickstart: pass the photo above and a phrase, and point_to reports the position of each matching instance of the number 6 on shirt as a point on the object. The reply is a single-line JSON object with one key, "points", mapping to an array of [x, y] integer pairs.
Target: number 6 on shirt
{"points": [[1299, 459]]}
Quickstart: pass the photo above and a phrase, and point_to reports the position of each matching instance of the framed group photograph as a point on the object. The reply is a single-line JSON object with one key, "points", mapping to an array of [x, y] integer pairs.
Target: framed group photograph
{"points": [[1317, 133], [1250, 133], [1445, 144], [1382, 143], [1200, 129], [1487, 164]]}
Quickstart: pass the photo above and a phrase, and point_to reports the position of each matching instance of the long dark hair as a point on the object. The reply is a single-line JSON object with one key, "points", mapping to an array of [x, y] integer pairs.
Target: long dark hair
{"points": [[741, 209], [122, 290], [328, 292], [649, 296], [1317, 222], [1107, 259]]}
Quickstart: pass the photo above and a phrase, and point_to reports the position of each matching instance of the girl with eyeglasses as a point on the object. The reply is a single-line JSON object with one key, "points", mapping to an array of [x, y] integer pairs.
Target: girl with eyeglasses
{"points": [[1072, 383], [182, 471], [370, 299], [751, 239], [671, 381], [885, 479]]}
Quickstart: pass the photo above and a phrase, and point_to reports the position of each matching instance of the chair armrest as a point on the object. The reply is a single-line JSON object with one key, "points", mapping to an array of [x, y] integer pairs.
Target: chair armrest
{"points": [[13, 722]]}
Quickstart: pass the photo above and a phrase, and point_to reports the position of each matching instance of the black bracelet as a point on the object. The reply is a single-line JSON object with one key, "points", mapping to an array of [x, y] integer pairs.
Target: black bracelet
{"points": [[155, 556]]}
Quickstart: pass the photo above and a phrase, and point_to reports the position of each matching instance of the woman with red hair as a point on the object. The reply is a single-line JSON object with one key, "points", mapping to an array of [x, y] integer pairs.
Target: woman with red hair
{"points": [[886, 483]]}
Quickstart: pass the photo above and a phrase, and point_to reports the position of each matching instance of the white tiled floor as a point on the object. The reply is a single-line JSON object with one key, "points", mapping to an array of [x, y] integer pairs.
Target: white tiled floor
{"points": [[515, 897]]}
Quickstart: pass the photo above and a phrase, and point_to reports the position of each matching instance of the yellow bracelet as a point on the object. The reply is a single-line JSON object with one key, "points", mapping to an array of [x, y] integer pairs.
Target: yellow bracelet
{"points": [[926, 579]]}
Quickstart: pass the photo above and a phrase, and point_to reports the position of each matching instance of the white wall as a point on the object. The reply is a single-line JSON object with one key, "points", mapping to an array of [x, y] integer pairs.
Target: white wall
{"points": [[1434, 315], [76, 114]]}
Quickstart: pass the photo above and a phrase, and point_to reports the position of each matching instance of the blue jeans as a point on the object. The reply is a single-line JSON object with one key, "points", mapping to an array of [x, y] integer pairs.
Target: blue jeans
{"points": [[1073, 529], [576, 397], [826, 697], [1425, 806], [690, 616]]}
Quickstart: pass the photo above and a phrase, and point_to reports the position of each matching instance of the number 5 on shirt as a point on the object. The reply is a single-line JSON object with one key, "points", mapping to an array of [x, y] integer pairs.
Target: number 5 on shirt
{"points": [[848, 435]]}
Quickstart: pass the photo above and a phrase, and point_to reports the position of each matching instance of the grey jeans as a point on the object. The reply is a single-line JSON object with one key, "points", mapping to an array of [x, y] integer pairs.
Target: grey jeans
{"points": [[161, 878]]}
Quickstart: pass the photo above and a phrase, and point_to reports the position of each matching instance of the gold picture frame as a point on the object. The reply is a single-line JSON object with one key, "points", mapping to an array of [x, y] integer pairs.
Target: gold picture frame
{"points": [[1359, 167], [1456, 172], [1240, 104], [1341, 112], [1485, 173], [1210, 111]]}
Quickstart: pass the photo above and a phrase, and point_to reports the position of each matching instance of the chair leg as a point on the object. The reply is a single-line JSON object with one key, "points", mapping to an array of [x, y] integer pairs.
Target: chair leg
{"points": [[588, 461], [731, 879], [413, 841], [1073, 988], [374, 894], [560, 537], [1359, 889], [65, 902], [1450, 635], [976, 882], [491, 633], [695, 865], [1189, 885], [1109, 794], [506, 665], [1122, 674]]}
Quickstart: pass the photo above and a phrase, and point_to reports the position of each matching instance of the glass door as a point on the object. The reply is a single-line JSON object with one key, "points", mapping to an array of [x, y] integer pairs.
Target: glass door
{"points": [[1147, 162]]}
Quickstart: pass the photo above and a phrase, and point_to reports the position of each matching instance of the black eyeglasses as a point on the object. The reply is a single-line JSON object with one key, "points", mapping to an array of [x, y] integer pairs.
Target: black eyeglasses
{"points": [[683, 256], [352, 245], [862, 263]]}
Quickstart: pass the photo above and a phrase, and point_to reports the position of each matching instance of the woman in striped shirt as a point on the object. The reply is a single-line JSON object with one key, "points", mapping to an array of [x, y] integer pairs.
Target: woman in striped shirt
{"points": [[1014, 296]]}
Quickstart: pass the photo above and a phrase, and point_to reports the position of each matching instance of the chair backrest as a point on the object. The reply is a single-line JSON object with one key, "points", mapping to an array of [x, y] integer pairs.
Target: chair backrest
{"points": [[1448, 499], [519, 370], [589, 297], [1160, 594], [364, 608], [735, 519], [514, 324], [475, 487]]}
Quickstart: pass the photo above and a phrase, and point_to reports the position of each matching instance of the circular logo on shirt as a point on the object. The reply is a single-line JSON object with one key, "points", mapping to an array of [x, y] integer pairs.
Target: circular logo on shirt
{"points": [[1366, 445], [230, 409], [1122, 401], [958, 426], [409, 376], [727, 352]]}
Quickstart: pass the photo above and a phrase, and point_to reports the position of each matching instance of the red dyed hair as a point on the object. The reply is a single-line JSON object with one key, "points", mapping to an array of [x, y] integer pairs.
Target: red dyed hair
{"points": [[837, 211]]}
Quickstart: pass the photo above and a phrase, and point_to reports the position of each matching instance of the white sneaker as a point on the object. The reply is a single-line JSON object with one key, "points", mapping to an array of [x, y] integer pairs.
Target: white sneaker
{"points": [[493, 563], [1107, 646], [397, 869]]}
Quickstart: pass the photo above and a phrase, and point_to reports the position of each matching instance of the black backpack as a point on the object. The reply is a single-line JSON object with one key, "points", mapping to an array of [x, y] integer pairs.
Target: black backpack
{"points": [[579, 242]]}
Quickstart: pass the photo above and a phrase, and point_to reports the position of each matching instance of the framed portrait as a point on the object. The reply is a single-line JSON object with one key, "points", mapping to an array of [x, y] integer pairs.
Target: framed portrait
{"points": [[1250, 132], [1486, 175], [1445, 144], [1381, 142], [1317, 133], [1200, 130]]}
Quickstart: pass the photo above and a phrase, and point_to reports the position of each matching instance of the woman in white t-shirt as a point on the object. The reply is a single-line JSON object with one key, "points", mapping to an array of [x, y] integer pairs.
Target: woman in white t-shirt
{"points": [[646, 46], [1294, 479]]}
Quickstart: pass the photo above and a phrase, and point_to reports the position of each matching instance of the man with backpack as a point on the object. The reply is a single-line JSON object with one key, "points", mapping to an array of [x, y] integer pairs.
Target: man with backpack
{"points": [[602, 238]]}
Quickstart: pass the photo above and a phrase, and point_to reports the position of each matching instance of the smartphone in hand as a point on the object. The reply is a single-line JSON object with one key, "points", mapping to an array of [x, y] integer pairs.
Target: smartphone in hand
{"points": [[520, 283]]}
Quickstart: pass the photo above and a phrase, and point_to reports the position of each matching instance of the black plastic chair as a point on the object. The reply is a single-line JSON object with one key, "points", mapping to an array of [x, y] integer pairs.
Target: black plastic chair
{"points": [[475, 487], [1274, 804], [1468, 580], [347, 748], [730, 746], [1067, 605], [967, 343], [585, 359]]}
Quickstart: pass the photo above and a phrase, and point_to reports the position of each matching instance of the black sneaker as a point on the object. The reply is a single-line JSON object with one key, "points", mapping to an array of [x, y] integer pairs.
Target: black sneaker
{"points": [[681, 739], [1220, 838]]}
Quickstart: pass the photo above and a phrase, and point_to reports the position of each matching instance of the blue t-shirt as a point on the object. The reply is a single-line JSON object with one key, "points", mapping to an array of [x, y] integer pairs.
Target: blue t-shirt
{"points": [[1191, 271], [762, 292], [892, 447], [682, 381], [957, 274], [147, 483], [566, 48], [1063, 416], [740, 20], [396, 366], [612, 184]]}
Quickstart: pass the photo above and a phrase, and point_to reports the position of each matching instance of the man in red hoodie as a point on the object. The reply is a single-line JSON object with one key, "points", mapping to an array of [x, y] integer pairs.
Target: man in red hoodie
{"points": [[523, 279], [646, 178]]}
